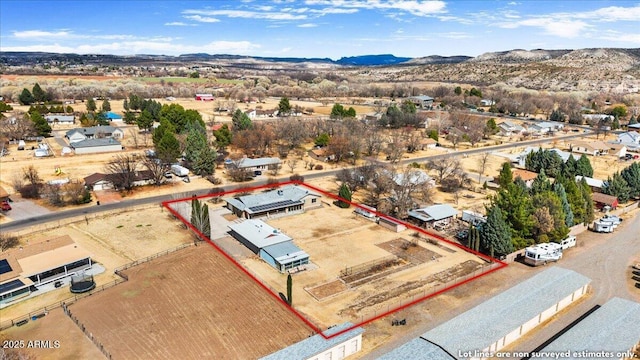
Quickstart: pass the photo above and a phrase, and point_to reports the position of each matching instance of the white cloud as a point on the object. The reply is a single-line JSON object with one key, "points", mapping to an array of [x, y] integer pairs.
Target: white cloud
{"points": [[455, 35], [565, 28], [247, 14], [414, 7], [610, 14], [620, 37], [204, 19], [39, 34], [308, 25], [141, 47], [179, 23]]}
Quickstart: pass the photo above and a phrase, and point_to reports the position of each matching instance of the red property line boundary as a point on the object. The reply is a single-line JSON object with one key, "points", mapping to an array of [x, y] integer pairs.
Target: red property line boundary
{"points": [[315, 328]]}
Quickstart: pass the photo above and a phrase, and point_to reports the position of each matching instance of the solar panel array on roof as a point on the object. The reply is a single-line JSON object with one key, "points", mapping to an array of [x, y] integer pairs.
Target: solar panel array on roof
{"points": [[5, 267], [275, 205], [13, 284]]}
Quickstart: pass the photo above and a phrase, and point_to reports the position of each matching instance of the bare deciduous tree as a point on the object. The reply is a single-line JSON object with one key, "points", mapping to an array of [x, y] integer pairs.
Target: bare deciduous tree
{"points": [[292, 163], [444, 167], [482, 165], [122, 171], [157, 170]]}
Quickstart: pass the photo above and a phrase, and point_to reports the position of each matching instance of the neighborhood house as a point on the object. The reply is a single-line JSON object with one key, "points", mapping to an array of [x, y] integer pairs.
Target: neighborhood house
{"points": [[286, 200], [60, 118], [93, 132], [434, 216]]}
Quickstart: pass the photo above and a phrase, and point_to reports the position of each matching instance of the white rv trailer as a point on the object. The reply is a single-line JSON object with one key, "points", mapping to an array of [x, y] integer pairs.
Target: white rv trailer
{"points": [[603, 226], [569, 241], [541, 254], [366, 211]]}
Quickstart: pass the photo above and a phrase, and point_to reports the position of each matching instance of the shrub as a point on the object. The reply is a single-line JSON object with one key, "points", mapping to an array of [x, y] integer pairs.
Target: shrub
{"points": [[319, 167], [296, 177]]}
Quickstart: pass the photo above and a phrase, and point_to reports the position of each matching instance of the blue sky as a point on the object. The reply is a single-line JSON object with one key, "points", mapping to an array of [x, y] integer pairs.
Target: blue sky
{"points": [[315, 28]]}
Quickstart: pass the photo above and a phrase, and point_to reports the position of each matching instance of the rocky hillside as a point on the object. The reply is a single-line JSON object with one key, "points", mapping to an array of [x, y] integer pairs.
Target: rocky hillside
{"points": [[556, 70]]}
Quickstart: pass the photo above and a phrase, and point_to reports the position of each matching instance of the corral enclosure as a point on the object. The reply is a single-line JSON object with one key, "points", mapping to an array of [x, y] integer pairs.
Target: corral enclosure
{"points": [[192, 303]]}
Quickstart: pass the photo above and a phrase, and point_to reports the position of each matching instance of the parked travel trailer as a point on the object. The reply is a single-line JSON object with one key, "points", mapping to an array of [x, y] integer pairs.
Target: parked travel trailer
{"points": [[569, 241], [541, 254], [366, 211], [603, 226], [21, 145]]}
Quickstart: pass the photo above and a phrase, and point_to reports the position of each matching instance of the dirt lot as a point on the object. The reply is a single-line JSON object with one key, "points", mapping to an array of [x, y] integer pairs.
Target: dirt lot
{"points": [[190, 304], [358, 268], [113, 240], [55, 326]]}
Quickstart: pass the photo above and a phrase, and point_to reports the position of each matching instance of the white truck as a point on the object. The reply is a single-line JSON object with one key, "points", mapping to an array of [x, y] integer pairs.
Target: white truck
{"points": [[601, 226], [179, 170]]}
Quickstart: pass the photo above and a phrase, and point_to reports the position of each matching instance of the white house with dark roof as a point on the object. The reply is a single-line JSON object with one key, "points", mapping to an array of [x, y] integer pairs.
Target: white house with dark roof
{"points": [[273, 246], [499, 321], [94, 132], [282, 201]]}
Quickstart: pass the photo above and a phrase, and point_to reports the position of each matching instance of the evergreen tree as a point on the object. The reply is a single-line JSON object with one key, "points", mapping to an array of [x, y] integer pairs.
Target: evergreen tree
{"points": [[345, 194], [491, 128], [558, 188], [91, 105], [631, 175], [158, 133], [168, 148], [575, 199], [125, 104], [200, 217], [289, 289], [633, 120], [322, 140], [569, 167], [223, 136], [106, 105], [515, 203], [506, 176], [241, 121], [557, 115], [39, 95], [40, 124], [144, 121], [337, 112], [201, 157], [585, 190], [26, 98], [129, 118], [495, 234], [617, 186], [284, 107], [540, 183], [102, 118], [583, 166]]}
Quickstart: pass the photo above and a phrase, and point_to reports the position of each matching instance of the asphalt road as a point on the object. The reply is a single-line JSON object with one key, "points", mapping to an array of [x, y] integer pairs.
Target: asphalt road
{"points": [[59, 215]]}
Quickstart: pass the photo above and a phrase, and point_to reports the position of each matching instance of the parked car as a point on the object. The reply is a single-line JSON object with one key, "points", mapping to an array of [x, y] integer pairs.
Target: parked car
{"points": [[636, 272], [636, 266], [4, 206], [462, 235]]}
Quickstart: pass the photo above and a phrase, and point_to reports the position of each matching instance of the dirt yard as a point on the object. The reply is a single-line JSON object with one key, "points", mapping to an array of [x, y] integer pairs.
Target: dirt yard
{"points": [[359, 269], [190, 304], [55, 326], [113, 240]]}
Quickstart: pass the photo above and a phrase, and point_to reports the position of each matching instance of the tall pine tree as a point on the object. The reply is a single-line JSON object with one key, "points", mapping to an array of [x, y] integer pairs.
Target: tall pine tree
{"points": [[495, 234]]}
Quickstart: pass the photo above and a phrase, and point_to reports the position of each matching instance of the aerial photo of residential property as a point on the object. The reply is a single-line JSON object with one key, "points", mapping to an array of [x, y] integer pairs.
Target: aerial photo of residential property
{"points": [[319, 179]]}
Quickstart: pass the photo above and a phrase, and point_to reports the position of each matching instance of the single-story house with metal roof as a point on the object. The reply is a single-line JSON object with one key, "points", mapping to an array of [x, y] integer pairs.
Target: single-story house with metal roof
{"points": [[93, 146], [94, 132], [60, 118], [631, 139], [282, 201], [24, 269], [508, 128], [501, 320], [257, 164], [274, 247], [317, 347], [612, 328], [430, 216]]}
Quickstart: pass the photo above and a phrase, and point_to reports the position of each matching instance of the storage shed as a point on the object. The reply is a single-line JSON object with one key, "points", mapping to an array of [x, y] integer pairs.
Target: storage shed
{"points": [[613, 328], [501, 320], [274, 247], [317, 347]]}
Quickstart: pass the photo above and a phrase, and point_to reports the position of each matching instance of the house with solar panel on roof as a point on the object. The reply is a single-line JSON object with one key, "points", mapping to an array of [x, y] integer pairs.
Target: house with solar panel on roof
{"points": [[283, 201]]}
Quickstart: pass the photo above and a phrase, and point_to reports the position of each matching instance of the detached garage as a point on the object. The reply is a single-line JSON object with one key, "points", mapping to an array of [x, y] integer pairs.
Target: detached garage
{"points": [[274, 247], [92, 146]]}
